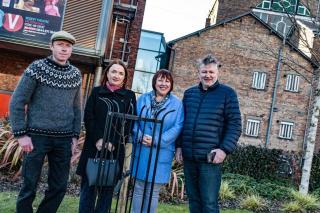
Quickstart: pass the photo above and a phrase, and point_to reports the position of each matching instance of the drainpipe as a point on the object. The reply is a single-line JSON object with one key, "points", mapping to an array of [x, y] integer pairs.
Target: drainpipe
{"points": [[274, 94]]}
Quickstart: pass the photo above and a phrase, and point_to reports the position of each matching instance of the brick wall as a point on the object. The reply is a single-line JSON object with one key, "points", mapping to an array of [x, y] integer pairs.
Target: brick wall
{"points": [[232, 8], [11, 67], [12, 64], [244, 46], [133, 38]]}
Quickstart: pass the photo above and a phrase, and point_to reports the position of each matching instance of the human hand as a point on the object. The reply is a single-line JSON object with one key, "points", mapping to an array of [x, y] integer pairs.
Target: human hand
{"points": [[219, 157], [74, 145], [147, 140], [179, 157], [108, 145], [25, 143]]}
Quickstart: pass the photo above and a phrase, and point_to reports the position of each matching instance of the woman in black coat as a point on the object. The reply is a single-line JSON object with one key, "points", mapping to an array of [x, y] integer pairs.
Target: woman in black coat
{"points": [[110, 96]]}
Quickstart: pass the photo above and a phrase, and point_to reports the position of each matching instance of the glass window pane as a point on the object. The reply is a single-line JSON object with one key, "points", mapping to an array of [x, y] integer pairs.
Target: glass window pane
{"points": [[146, 61], [266, 5], [162, 48], [142, 82], [150, 41], [300, 10]]}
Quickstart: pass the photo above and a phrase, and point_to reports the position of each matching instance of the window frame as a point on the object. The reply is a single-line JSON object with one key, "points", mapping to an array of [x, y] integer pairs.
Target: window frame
{"points": [[253, 84], [249, 123], [292, 88], [281, 134]]}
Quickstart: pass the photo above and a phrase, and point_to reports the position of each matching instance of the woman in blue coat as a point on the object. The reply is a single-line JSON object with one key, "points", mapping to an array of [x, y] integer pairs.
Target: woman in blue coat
{"points": [[155, 104]]}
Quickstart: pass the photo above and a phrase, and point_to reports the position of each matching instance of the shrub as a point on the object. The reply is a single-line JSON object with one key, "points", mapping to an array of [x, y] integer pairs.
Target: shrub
{"points": [[226, 193], [244, 185], [262, 163], [293, 207], [10, 151], [177, 185], [308, 202], [253, 202], [316, 192], [315, 173]]}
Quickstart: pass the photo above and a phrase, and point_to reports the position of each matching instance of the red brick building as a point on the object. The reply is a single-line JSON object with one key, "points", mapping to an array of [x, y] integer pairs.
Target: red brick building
{"points": [[248, 49], [104, 30]]}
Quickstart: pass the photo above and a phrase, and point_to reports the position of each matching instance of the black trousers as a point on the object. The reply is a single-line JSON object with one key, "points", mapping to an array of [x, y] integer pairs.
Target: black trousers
{"points": [[59, 153]]}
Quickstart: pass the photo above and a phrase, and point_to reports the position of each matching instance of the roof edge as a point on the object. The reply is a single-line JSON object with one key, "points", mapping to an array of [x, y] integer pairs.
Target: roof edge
{"points": [[198, 32]]}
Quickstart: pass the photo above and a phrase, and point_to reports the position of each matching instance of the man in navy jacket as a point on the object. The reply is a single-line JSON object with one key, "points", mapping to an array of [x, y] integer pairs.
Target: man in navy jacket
{"points": [[212, 127]]}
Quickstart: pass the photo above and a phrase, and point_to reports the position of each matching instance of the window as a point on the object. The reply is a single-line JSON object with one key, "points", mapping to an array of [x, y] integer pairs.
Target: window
{"points": [[253, 127], [150, 41], [285, 6], [302, 10], [286, 129], [142, 82], [292, 83], [265, 4], [259, 80], [151, 48]]}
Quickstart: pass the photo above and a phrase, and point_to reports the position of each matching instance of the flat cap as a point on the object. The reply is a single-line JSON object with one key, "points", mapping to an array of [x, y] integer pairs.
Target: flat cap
{"points": [[63, 35]]}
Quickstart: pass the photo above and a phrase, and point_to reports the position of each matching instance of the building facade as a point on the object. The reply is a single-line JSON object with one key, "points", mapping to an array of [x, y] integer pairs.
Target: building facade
{"points": [[105, 30], [248, 49]]}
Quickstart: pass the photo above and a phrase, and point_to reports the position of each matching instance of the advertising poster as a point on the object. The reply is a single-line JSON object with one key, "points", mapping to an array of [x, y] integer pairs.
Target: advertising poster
{"points": [[31, 20]]}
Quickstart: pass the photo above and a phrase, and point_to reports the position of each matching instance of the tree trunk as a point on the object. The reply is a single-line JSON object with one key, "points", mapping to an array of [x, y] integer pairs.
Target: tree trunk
{"points": [[124, 188], [310, 143]]}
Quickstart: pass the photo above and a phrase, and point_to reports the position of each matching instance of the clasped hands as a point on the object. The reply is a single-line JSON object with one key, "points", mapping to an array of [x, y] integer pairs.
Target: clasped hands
{"points": [[108, 145], [147, 140]]}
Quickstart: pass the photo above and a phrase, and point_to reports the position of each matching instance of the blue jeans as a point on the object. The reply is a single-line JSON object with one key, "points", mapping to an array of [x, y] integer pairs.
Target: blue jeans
{"points": [[138, 197], [203, 182], [58, 151], [94, 203]]}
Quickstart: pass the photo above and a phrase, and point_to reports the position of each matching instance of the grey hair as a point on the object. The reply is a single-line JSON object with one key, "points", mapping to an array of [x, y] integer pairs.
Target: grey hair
{"points": [[208, 59]]}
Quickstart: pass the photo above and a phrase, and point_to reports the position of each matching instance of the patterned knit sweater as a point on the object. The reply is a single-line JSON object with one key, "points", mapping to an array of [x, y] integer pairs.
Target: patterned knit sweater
{"points": [[47, 100]]}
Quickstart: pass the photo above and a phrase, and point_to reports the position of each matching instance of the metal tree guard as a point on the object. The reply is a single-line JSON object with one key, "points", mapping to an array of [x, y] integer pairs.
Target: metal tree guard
{"points": [[118, 128]]}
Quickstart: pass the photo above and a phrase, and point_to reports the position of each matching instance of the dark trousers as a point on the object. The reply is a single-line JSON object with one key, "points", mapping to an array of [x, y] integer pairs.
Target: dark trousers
{"points": [[203, 182], [59, 154], [94, 200]]}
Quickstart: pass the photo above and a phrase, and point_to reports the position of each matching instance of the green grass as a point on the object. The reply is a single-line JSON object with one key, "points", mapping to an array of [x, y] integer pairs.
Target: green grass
{"points": [[70, 205]]}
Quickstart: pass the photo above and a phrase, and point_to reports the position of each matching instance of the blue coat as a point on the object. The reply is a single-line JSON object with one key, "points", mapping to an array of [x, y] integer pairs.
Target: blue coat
{"points": [[172, 127]]}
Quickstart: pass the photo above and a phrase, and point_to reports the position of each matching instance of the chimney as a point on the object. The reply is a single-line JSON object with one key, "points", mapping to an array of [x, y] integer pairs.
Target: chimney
{"points": [[208, 20]]}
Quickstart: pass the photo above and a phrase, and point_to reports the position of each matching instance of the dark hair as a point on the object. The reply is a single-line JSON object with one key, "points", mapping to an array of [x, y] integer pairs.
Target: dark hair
{"points": [[106, 70], [162, 73], [208, 59]]}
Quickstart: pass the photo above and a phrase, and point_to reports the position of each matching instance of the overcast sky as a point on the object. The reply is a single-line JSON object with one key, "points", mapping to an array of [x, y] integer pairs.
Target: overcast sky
{"points": [[176, 18]]}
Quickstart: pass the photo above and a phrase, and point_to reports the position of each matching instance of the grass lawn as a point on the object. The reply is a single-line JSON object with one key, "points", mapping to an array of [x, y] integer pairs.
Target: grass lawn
{"points": [[70, 205]]}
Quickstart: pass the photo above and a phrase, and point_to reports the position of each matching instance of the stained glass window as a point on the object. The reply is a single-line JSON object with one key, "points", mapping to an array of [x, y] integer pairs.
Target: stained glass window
{"points": [[285, 6]]}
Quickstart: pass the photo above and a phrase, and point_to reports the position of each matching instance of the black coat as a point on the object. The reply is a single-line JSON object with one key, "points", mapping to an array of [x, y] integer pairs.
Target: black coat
{"points": [[212, 120], [95, 119]]}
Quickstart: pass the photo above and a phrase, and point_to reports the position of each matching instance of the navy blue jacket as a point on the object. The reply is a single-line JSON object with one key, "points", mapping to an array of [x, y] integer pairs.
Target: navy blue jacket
{"points": [[212, 120]]}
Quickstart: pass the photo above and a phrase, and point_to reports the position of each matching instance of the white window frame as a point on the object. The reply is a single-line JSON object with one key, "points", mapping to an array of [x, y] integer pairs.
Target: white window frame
{"points": [[266, 1], [259, 80], [286, 130], [292, 83], [253, 127]]}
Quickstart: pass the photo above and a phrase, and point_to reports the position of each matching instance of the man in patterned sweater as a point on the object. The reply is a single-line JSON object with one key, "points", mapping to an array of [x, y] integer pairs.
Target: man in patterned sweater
{"points": [[45, 114]]}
